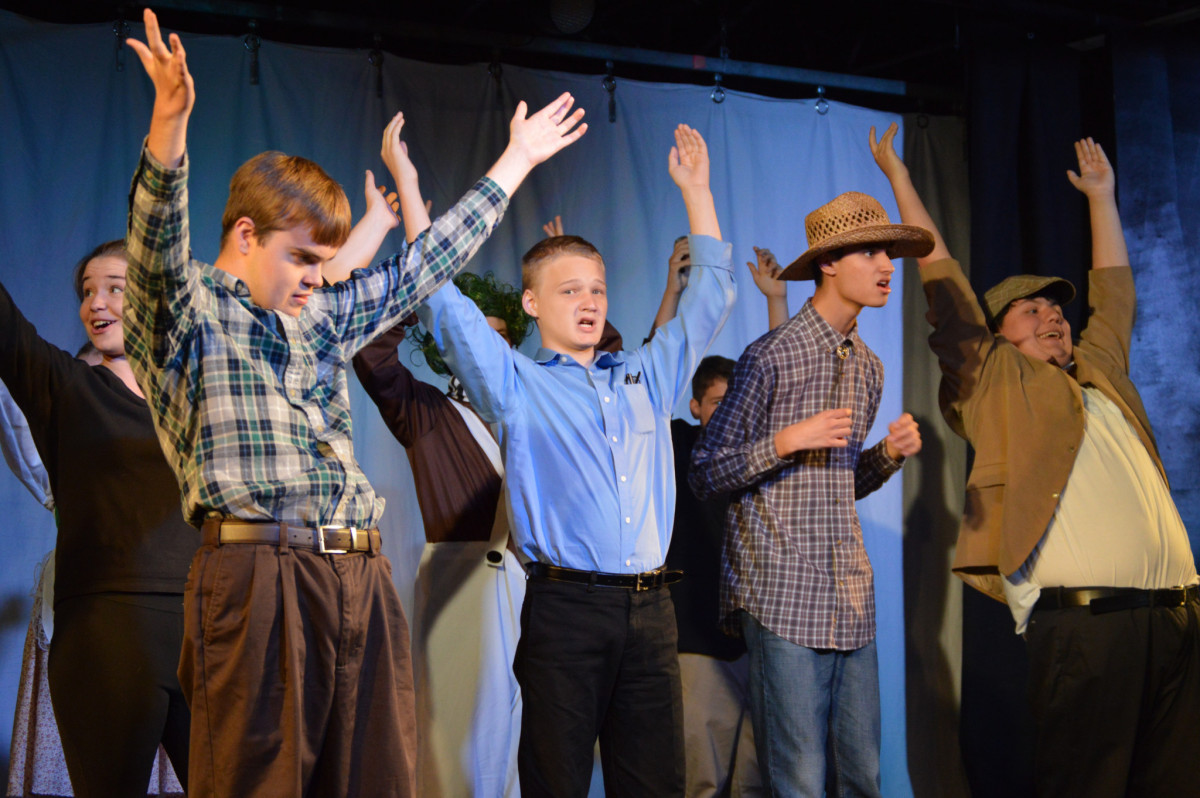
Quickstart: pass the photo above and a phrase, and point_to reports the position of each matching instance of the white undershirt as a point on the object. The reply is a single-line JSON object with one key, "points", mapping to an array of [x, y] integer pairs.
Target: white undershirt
{"points": [[1115, 525]]}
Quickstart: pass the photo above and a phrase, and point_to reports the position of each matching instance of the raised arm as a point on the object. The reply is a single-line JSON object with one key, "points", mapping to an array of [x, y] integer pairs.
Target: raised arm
{"points": [[677, 277], [912, 210], [766, 277], [367, 236], [382, 295], [413, 208], [554, 227], [174, 92], [689, 167], [1098, 183], [533, 139]]}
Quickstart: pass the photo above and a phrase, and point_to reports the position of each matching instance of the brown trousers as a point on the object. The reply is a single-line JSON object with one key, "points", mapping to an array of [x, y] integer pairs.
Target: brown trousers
{"points": [[297, 671]]}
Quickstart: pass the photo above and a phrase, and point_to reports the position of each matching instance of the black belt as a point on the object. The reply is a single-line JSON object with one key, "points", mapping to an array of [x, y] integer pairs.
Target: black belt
{"points": [[1112, 599], [322, 540], [649, 580]]}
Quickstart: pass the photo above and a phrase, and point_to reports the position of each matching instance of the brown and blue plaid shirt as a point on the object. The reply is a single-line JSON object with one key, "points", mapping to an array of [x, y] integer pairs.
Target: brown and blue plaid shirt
{"points": [[251, 406], [793, 554]]}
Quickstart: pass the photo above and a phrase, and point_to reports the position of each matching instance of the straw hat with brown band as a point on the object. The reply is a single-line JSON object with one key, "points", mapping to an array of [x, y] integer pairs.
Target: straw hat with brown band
{"points": [[854, 219]]}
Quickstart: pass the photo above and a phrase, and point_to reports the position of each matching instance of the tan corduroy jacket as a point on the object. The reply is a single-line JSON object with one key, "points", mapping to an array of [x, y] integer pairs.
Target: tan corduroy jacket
{"points": [[1024, 417]]}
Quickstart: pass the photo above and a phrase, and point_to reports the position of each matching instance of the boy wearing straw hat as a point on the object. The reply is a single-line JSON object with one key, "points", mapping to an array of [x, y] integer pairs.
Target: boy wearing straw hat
{"points": [[1068, 516], [787, 442]]}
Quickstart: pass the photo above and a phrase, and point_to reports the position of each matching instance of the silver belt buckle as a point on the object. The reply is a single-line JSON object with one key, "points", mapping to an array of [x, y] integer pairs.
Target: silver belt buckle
{"points": [[321, 530]]}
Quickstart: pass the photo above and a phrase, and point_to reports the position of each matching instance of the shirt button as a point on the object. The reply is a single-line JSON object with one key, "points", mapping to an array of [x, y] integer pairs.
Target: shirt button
{"points": [[628, 520], [614, 438], [562, 359], [607, 400], [837, 501], [629, 562], [622, 477], [292, 393]]}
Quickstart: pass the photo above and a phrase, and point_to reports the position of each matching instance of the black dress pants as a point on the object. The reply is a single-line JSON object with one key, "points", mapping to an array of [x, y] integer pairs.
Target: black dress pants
{"points": [[599, 661], [1115, 698]]}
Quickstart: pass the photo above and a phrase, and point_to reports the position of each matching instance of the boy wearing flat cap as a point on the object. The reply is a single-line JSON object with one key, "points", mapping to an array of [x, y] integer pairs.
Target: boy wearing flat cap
{"points": [[787, 442], [1068, 516]]}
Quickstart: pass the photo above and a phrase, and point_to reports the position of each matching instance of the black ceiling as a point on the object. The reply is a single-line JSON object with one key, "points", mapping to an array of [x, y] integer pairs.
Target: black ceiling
{"points": [[921, 43]]}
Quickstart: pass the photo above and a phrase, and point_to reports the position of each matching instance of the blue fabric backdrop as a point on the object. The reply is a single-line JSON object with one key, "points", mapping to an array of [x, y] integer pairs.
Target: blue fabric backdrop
{"points": [[73, 123], [1158, 172]]}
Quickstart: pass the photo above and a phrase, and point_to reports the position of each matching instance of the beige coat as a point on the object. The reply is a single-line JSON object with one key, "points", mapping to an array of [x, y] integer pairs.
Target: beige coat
{"points": [[1024, 417]]}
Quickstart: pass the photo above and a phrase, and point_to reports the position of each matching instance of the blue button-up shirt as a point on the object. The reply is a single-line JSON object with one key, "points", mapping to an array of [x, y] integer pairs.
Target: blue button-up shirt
{"points": [[590, 474]]}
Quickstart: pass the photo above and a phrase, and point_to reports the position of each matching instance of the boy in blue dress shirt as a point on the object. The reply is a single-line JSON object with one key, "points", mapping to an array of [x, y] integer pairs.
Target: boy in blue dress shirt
{"points": [[590, 494]]}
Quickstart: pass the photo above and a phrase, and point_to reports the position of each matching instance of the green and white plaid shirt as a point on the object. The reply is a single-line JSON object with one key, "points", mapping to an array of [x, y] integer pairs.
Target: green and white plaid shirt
{"points": [[251, 405]]}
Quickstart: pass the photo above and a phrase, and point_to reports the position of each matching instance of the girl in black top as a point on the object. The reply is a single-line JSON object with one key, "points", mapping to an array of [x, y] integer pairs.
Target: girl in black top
{"points": [[123, 547]]}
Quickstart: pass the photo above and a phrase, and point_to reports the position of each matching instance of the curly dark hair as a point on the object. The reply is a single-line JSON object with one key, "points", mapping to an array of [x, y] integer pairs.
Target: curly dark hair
{"points": [[494, 298]]}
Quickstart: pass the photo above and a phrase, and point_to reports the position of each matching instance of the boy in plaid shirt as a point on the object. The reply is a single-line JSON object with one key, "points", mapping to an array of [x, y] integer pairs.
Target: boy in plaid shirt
{"points": [[295, 660]]}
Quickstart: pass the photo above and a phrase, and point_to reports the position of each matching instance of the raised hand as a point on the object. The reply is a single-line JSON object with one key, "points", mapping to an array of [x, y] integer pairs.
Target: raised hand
{"points": [[533, 139], [825, 430], [884, 153], [553, 227], [174, 91], [678, 266], [395, 153], [688, 159], [904, 437], [539, 136], [766, 274], [1096, 177], [381, 203]]}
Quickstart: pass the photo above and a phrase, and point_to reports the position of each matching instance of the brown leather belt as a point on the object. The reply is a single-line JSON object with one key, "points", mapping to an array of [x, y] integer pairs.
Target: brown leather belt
{"points": [[322, 540], [1113, 599], [650, 580]]}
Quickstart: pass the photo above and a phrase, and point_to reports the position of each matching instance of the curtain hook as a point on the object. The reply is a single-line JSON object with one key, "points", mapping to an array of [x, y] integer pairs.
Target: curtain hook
{"points": [[610, 85], [375, 59], [252, 42], [121, 31], [718, 92], [822, 104]]}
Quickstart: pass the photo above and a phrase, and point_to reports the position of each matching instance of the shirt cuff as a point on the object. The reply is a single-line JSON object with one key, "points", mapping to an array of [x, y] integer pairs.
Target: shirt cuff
{"points": [[762, 458], [708, 251], [159, 180]]}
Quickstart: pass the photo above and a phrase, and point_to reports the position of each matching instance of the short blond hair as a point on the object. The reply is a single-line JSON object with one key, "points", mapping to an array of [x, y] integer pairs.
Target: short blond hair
{"points": [[552, 247], [278, 192]]}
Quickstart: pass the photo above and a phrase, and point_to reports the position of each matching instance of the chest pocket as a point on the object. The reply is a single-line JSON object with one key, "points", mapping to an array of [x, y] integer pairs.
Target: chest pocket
{"points": [[641, 412]]}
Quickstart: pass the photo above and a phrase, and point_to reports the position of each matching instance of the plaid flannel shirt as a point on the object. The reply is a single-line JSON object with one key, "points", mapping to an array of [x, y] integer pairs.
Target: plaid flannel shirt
{"points": [[251, 406], [793, 554]]}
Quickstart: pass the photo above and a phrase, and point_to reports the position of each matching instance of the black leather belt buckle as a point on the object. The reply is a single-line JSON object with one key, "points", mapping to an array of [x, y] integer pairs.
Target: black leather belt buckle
{"points": [[648, 581], [1170, 597]]}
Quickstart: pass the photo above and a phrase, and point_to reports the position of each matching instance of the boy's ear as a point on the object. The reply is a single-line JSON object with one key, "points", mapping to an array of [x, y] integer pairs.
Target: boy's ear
{"points": [[694, 406], [529, 302], [828, 269], [241, 235]]}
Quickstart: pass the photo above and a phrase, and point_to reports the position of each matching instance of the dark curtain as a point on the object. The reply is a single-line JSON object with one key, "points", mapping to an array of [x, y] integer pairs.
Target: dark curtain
{"points": [[1025, 217]]}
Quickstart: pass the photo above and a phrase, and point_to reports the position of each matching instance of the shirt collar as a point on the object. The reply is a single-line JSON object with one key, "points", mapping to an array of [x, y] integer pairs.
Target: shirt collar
{"points": [[604, 360], [823, 332]]}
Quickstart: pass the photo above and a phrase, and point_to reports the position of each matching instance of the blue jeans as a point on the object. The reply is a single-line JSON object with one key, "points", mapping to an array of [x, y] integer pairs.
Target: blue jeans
{"points": [[816, 716]]}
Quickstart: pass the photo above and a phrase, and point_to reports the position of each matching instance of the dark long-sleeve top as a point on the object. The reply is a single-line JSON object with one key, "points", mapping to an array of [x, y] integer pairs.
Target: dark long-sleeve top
{"points": [[120, 528], [696, 550], [457, 486]]}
